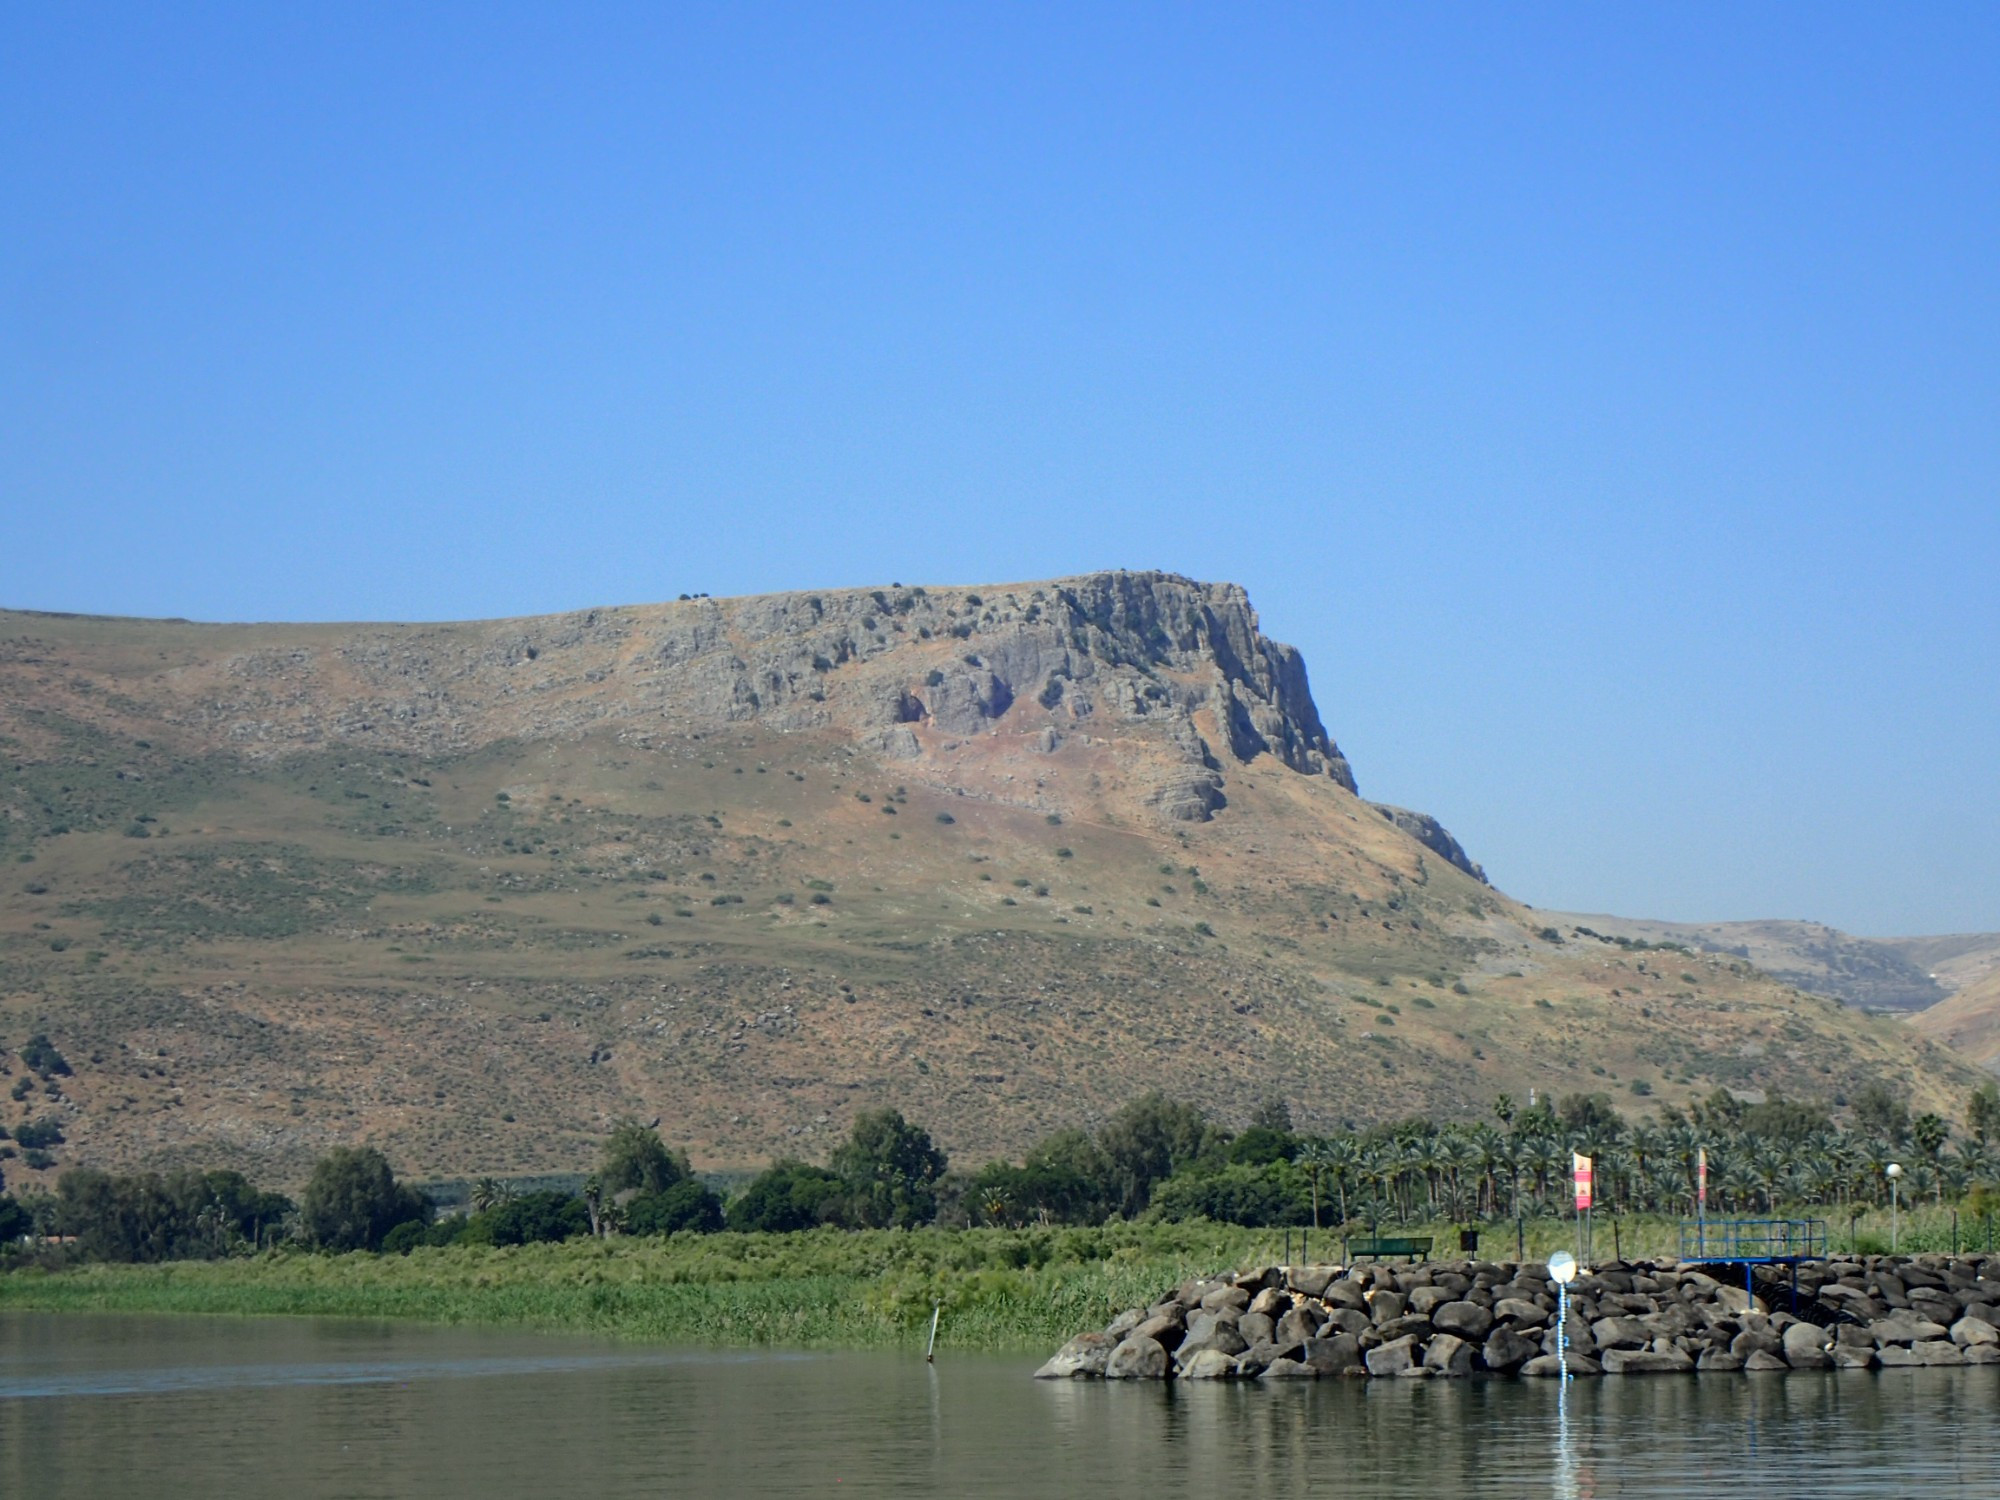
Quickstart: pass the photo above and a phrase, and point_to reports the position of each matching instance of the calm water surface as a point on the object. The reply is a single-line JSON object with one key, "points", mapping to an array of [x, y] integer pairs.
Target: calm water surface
{"points": [[159, 1407]]}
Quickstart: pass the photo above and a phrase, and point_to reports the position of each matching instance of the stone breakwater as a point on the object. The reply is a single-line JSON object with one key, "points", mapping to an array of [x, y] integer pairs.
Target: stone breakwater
{"points": [[1459, 1318]]}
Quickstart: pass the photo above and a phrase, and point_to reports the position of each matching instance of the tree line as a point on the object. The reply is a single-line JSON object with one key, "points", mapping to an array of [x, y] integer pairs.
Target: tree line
{"points": [[1155, 1158]]}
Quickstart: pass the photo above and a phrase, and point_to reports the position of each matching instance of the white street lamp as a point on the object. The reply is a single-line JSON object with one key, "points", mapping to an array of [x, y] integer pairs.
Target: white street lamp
{"points": [[1893, 1171]]}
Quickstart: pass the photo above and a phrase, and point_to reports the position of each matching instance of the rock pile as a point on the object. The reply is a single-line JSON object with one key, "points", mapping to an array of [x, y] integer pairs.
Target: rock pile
{"points": [[1455, 1318]]}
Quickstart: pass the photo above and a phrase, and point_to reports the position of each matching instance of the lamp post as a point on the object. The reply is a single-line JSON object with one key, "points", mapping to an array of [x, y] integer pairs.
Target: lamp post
{"points": [[1562, 1271], [1893, 1171]]}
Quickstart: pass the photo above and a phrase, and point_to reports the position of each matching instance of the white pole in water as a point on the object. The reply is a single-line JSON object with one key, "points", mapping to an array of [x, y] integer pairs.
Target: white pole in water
{"points": [[1562, 1270], [930, 1349]]}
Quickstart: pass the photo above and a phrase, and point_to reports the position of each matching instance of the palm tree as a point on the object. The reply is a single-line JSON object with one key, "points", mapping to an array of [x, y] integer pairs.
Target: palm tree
{"points": [[490, 1193], [1931, 1132], [1315, 1159]]}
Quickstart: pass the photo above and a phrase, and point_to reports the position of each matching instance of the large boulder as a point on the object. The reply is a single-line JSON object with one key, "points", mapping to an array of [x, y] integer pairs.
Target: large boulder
{"points": [[1905, 1328], [1426, 1299], [1271, 1302], [1137, 1358], [1547, 1364], [1755, 1341], [1805, 1347], [1311, 1281], [1969, 1330], [1938, 1352], [1255, 1328], [1166, 1330], [1507, 1350], [1466, 1319], [1520, 1312], [1346, 1292], [1348, 1320], [1208, 1364], [1289, 1369], [1763, 1359], [1619, 1333], [1386, 1307], [1222, 1338], [1338, 1355], [1394, 1357], [1296, 1326], [1667, 1361], [1447, 1354], [1082, 1358]]}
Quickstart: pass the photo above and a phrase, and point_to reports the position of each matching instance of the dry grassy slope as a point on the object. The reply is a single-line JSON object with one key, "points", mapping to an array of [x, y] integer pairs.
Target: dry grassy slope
{"points": [[1969, 1022], [1955, 961], [468, 891]]}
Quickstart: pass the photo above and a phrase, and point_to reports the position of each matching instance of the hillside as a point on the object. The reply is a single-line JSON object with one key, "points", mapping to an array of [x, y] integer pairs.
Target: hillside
{"points": [[1870, 973], [1968, 1022], [1003, 856]]}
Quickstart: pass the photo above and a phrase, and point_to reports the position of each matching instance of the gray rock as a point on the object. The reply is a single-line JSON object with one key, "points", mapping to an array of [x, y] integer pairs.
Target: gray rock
{"points": [[1520, 1312], [1386, 1307], [1393, 1358], [1466, 1319], [1982, 1354], [1805, 1347], [1902, 1328], [1310, 1281], [1222, 1338], [1124, 1323], [1845, 1357], [1298, 1325], [1447, 1354], [1164, 1330], [1619, 1333], [1938, 1352], [1349, 1320], [1137, 1358], [1209, 1364], [1410, 1325], [1255, 1327], [1719, 1359], [1426, 1299], [1763, 1359], [1755, 1341], [1896, 1356], [1271, 1302], [1289, 1369], [1346, 1292], [1082, 1358], [1506, 1350], [1969, 1330], [1233, 1297], [1339, 1355], [1668, 1361], [1547, 1364]]}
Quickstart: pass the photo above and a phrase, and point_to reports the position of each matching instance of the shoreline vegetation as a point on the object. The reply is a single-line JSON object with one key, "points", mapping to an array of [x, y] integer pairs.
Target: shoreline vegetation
{"points": [[1002, 1290], [857, 1253]]}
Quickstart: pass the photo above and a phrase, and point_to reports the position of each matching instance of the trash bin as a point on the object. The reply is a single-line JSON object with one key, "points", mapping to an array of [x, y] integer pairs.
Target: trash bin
{"points": [[1468, 1241]]}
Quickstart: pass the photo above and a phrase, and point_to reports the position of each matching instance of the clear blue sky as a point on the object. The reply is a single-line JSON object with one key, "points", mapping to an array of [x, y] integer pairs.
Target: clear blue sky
{"points": [[1607, 402]]}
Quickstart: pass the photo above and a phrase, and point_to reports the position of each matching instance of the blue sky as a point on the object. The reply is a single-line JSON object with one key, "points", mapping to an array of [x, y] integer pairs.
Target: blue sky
{"points": [[1608, 403]]}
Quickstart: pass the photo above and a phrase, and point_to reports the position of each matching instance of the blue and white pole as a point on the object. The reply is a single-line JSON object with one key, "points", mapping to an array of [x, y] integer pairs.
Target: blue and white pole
{"points": [[1562, 1271]]}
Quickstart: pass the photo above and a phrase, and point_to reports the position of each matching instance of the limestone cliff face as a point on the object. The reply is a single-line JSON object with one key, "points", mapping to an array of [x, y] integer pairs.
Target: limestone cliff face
{"points": [[1176, 673]]}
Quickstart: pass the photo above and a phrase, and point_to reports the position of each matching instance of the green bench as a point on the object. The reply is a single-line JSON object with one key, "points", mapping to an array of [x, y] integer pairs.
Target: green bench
{"points": [[1417, 1248]]}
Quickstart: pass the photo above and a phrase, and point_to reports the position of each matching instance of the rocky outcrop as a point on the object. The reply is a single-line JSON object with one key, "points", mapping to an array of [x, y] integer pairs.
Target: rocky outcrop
{"points": [[1175, 672], [1434, 836], [1458, 1318]]}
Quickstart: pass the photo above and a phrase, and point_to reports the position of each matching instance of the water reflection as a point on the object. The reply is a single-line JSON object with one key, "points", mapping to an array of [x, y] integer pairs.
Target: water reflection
{"points": [[165, 1408]]}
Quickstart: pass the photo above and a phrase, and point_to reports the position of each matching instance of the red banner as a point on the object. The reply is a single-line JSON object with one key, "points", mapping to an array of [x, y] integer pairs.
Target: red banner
{"points": [[1581, 1167], [1701, 1178]]}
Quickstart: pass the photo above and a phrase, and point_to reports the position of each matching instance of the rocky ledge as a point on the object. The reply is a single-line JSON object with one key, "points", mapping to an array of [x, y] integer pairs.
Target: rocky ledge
{"points": [[1456, 1318]]}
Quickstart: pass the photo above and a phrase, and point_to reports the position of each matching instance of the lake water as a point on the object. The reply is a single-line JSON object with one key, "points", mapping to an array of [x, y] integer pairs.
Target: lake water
{"points": [[163, 1407]]}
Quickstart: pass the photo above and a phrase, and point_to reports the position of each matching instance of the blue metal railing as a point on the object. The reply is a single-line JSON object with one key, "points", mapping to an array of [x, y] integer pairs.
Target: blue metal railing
{"points": [[1753, 1239]]}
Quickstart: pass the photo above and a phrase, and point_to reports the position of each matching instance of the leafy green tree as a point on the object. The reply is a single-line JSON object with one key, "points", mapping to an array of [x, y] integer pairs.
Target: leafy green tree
{"points": [[353, 1200], [891, 1169], [15, 1221], [689, 1205], [1881, 1111], [1982, 1112], [1150, 1139], [788, 1196], [537, 1218], [1261, 1145], [1261, 1196], [636, 1159]]}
